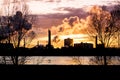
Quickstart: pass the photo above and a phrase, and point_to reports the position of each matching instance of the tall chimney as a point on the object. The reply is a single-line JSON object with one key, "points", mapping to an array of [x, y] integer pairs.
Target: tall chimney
{"points": [[118, 39], [95, 41], [24, 43], [49, 37]]}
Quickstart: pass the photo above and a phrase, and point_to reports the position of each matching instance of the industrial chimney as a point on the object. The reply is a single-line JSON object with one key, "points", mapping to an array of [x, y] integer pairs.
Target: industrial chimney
{"points": [[49, 38], [49, 46]]}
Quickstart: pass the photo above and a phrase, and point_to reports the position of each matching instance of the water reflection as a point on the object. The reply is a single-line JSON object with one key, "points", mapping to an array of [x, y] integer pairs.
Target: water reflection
{"points": [[62, 60]]}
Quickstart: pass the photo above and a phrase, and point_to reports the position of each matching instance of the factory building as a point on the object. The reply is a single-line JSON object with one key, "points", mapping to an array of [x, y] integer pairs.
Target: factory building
{"points": [[68, 42], [83, 45]]}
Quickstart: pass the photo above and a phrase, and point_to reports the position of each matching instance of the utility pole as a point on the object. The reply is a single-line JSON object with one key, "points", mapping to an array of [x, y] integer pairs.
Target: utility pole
{"points": [[118, 39], [49, 37], [24, 43]]}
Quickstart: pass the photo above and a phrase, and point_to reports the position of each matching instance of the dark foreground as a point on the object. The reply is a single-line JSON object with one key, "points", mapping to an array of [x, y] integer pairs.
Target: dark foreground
{"points": [[61, 52], [35, 72], [60, 72]]}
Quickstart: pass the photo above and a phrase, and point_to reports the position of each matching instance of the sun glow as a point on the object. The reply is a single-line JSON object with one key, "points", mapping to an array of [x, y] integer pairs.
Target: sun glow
{"points": [[77, 38], [74, 36]]}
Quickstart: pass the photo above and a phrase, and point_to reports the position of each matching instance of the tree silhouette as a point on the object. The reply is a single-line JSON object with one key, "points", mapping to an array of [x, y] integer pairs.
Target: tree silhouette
{"points": [[116, 17], [15, 25], [20, 25], [103, 25]]}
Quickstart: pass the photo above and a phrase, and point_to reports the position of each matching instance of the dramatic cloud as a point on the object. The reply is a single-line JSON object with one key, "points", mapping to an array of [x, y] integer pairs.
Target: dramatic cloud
{"points": [[71, 25], [73, 20], [71, 12], [46, 22], [49, 20]]}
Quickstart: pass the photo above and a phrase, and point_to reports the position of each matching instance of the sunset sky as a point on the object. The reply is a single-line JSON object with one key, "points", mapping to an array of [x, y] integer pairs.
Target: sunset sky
{"points": [[65, 19], [53, 14]]}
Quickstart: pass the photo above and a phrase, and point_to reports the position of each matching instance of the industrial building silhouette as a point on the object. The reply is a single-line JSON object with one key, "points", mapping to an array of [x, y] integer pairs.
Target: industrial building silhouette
{"points": [[69, 49], [83, 45], [68, 42], [49, 45]]}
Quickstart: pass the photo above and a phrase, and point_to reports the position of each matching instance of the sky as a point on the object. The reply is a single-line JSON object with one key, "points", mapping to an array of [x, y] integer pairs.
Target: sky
{"points": [[55, 14], [60, 6]]}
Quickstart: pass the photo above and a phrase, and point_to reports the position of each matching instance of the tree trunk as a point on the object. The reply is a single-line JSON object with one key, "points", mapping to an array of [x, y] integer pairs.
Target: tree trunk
{"points": [[19, 38], [105, 61], [16, 60]]}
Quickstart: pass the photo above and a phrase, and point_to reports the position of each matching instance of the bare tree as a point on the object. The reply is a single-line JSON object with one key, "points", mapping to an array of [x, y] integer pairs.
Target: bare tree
{"points": [[116, 17], [28, 38], [103, 25], [17, 24], [115, 13], [21, 27]]}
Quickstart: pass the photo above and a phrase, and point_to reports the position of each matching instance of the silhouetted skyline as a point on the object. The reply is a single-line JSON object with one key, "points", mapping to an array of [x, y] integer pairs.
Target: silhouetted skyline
{"points": [[62, 17]]}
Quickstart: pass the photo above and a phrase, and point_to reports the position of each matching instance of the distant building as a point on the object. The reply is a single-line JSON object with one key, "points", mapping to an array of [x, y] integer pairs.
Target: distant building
{"points": [[100, 46], [68, 42], [83, 45]]}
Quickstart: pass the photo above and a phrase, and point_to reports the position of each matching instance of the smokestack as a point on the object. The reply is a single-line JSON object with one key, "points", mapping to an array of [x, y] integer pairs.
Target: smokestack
{"points": [[49, 37], [96, 41], [24, 43], [118, 39]]}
